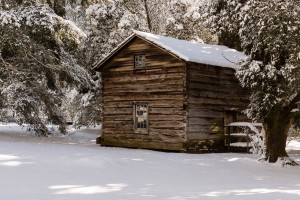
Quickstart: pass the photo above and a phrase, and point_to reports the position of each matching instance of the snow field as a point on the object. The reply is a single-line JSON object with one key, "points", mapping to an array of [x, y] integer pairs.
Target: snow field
{"points": [[74, 167]]}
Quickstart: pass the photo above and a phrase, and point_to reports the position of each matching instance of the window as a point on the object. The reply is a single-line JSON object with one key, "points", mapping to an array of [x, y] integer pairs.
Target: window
{"points": [[141, 116], [139, 61]]}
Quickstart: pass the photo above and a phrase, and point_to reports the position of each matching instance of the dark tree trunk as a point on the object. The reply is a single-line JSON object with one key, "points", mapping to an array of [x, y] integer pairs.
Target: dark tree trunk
{"points": [[277, 126], [148, 16]]}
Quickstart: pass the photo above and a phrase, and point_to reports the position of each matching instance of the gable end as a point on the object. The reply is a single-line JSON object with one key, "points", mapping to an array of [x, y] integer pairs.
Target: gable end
{"points": [[123, 45]]}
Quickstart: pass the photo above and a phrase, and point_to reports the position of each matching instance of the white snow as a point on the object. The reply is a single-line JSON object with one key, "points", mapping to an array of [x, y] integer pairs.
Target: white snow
{"points": [[294, 145], [197, 52], [238, 134], [239, 144], [245, 124], [73, 167]]}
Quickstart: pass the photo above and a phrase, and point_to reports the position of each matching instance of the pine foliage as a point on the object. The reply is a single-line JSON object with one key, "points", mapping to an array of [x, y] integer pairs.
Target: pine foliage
{"points": [[268, 32], [36, 66]]}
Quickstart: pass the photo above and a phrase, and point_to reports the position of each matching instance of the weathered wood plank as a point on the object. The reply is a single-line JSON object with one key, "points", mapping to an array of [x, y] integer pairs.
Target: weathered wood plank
{"points": [[119, 117], [212, 128], [143, 89], [206, 121], [202, 136], [151, 67], [152, 117], [217, 95], [167, 124], [145, 84], [203, 78], [144, 72], [196, 68], [168, 132], [151, 136], [152, 103], [216, 101], [148, 138], [142, 77], [158, 117], [229, 89], [117, 125], [117, 111], [143, 97], [151, 59], [205, 113], [167, 111], [118, 104]]}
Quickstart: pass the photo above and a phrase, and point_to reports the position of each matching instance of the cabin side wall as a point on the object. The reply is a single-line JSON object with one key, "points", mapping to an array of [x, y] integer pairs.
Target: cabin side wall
{"points": [[214, 93], [161, 84]]}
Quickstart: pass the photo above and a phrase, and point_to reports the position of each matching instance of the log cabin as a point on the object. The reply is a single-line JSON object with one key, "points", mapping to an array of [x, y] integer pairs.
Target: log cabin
{"points": [[168, 94]]}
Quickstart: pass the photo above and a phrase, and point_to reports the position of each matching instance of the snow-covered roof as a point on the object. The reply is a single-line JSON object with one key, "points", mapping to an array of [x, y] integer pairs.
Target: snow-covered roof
{"points": [[216, 55], [197, 52]]}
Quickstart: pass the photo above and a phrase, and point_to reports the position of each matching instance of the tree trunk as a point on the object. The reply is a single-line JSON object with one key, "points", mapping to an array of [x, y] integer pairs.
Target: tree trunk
{"points": [[277, 126], [148, 16]]}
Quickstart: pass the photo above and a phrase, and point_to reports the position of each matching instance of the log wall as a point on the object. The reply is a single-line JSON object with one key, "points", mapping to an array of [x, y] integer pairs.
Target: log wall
{"points": [[213, 94], [161, 83]]}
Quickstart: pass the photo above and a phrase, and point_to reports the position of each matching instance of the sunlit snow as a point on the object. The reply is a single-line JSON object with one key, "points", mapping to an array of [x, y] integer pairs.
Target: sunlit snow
{"points": [[73, 167]]}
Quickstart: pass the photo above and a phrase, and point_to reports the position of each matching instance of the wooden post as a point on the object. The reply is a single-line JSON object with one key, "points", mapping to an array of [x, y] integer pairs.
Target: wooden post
{"points": [[247, 137], [228, 140]]}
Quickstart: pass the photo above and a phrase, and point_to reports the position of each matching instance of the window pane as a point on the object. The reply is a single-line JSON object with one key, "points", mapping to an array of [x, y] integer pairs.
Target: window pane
{"points": [[141, 116], [139, 61]]}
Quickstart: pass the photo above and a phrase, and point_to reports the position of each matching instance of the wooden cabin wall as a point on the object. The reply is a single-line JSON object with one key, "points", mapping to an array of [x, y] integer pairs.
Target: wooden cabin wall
{"points": [[213, 94], [161, 83]]}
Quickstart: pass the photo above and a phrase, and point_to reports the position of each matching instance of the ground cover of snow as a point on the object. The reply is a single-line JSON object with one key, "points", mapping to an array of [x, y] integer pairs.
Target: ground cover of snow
{"points": [[73, 167]]}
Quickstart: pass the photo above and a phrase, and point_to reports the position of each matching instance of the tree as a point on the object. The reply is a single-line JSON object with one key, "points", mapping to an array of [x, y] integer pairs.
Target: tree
{"points": [[103, 34], [268, 32], [178, 19], [37, 65]]}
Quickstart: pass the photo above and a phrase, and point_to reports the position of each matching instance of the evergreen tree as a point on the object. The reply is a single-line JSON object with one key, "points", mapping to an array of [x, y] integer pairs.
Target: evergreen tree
{"points": [[37, 67], [268, 32]]}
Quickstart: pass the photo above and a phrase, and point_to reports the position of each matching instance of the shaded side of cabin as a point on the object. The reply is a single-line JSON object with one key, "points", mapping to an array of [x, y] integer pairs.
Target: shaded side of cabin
{"points": [[215, 99]]}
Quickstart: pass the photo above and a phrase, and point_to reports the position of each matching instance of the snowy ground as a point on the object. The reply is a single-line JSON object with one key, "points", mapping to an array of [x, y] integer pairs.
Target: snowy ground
{"points": [[73, 167]]}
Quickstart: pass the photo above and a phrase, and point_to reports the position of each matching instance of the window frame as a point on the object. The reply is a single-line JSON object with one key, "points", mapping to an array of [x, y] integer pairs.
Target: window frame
{"points": [[135, 128], [143, 61]]}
